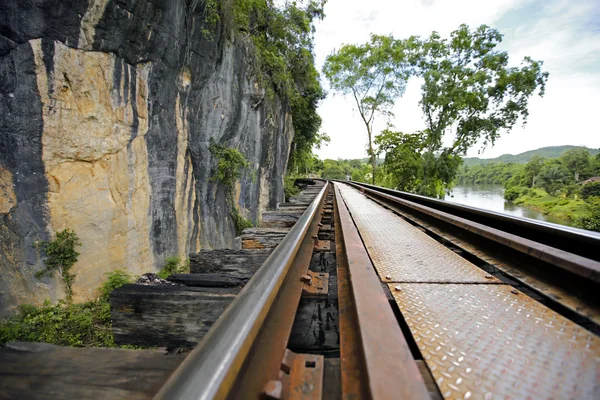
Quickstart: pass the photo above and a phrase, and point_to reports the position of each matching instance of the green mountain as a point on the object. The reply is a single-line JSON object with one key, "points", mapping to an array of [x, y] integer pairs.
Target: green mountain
{"points": [[546, 152]]}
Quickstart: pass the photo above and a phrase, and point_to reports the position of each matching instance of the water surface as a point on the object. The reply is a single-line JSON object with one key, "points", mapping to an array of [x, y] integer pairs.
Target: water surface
{"points": [[491, 197]]}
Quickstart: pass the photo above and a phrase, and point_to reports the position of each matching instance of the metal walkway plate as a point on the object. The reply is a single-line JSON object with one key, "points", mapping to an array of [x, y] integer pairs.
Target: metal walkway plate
{"points": [[492, 342], [402, 253]]}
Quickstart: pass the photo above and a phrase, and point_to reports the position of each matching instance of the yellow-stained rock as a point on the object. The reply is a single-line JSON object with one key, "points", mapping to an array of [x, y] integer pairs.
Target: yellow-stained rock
{"points": [[7, 194], [98, 176]]}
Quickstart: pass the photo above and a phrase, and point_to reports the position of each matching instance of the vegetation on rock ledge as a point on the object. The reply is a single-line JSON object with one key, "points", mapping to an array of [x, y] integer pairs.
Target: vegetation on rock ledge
{"points": [[78, 325]]}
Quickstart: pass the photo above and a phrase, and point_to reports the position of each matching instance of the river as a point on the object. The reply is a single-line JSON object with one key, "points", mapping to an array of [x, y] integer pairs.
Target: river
{"points": [[491, 197]]}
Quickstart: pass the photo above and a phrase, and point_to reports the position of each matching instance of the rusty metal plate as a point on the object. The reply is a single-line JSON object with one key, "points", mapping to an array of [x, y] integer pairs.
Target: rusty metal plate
{"points": [[401, 252], [493, 342], [316, 284], [322, 245], [305, 376]]}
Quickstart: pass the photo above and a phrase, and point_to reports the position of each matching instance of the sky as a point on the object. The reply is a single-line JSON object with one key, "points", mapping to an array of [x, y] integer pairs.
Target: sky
{"points": [[565, 34]]}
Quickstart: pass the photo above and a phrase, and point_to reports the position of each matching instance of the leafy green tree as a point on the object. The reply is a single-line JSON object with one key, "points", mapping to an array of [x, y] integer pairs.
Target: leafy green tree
{"points": [[283, 35], [334, 172], [577, 161], [596, 165], [590, 190], [553, 177], [591, 221], [469, 86], [375, 74], [470, 89], [403, 162], [532, 170]]}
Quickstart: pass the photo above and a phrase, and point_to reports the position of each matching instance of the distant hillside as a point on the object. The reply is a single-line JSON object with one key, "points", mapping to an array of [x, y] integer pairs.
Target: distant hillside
{"points": [[547, 152]]}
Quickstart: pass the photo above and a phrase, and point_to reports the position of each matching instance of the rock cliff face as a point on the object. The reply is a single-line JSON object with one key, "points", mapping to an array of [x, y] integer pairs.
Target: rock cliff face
{"points": [[107, 110]]}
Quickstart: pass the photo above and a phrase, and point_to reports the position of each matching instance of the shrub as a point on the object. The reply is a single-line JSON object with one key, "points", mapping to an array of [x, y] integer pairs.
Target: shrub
{"points": [[590, 190], [116, 279], [230, 165], [65, 324], [511, 194], [289, 187], [173, 266], [591, 221], [239, 221], [60, 256], [77, 325]]}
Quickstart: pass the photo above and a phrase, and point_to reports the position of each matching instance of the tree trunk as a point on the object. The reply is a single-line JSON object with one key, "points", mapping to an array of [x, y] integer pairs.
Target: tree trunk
{"points": [[372, 154]]}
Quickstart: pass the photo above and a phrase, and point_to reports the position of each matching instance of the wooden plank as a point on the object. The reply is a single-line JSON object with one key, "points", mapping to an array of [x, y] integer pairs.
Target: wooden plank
{"points": [[169, 316], [295, 204], [292, 208], [235, 263], [262, 238], [45, 371], [324, 262], [208, 280], [280, 219], [316, 326]]}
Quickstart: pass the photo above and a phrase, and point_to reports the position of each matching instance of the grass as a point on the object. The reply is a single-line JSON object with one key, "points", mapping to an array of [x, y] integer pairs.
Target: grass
{"points": [[564, 208], [172, 266]]}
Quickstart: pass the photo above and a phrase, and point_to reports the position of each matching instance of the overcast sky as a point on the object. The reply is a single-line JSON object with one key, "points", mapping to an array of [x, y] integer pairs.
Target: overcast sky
{"points": [[565, 34]]}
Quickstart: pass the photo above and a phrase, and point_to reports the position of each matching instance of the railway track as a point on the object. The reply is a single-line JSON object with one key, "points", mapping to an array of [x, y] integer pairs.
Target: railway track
{"points": [[352, 291]]}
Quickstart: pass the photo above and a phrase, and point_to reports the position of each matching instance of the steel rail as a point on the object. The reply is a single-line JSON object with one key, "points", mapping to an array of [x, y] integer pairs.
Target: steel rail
{"points": [[573, 240], [211, 368], [374, 350], [574, 263]]}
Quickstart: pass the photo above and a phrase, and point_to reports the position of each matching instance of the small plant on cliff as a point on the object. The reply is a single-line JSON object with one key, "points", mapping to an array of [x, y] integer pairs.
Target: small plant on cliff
{"points": [[240, 222], [60, 256], [115, 280], [172, 266], [231, 163], [289, 187]]}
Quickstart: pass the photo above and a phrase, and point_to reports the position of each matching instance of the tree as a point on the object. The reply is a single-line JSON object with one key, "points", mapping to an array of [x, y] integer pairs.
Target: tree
{"points": [[596, 165], [590, 190], [403, 162], [283, 37], [577, 162], [469, 89], [375, 74], [554, 176], [591, 220], [532, 169]]}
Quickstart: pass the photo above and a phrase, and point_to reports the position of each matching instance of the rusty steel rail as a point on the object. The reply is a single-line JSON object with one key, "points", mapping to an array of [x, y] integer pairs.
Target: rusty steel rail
{"points": [[376, 361], [584, 267], [573, 240], [211, 370]]}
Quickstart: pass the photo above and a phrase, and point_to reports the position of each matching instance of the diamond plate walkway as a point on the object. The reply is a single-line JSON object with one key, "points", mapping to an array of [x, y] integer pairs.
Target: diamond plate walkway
{"points": [[480, 338]]}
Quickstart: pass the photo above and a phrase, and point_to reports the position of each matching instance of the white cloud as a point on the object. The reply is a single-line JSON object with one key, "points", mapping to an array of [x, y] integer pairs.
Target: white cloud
{"points": [[551, 31]]}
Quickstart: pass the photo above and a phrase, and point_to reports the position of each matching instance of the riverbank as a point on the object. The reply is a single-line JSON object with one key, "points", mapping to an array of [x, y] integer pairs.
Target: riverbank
{"points": [[559, 207]]}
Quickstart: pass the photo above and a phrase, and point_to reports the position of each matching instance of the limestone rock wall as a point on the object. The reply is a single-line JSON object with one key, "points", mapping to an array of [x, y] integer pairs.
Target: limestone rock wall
{"points": [[107, 110]]}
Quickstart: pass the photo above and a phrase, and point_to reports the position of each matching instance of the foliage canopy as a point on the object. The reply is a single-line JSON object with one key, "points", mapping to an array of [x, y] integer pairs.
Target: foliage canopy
{"points": [[375, 74], [469, 91]]}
